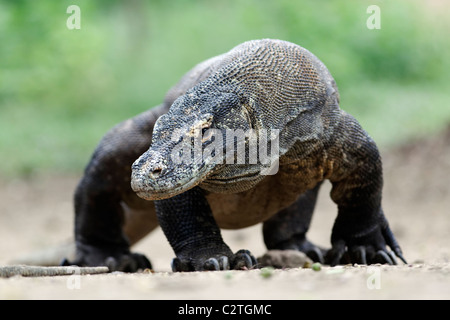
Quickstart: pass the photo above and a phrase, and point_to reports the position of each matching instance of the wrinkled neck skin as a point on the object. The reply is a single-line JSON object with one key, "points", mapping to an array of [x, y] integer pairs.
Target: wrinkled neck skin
{"points": [[188, 146]]}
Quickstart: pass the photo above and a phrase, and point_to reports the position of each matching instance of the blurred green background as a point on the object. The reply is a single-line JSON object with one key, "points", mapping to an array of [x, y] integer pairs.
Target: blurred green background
{"points": [[61, 89]]}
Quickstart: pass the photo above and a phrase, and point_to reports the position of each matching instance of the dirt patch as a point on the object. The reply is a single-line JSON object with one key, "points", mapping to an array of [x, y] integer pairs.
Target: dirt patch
{"points": [[38, 213]]}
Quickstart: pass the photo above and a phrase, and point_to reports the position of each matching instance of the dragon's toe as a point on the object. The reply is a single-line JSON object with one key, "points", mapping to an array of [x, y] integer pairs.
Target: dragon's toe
{"points": [[243, 259]]}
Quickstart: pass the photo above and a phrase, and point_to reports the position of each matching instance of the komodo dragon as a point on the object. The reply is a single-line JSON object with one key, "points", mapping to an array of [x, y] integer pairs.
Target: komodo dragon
{"points": [[259, 85]]}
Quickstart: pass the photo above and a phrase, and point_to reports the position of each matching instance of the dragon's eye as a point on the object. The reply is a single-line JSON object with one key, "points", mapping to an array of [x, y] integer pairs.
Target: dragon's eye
{"points": [[206, 134]]}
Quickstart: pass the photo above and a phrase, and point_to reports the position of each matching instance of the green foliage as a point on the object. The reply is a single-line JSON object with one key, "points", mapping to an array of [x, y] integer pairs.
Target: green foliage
{"points": [[61, 89]]}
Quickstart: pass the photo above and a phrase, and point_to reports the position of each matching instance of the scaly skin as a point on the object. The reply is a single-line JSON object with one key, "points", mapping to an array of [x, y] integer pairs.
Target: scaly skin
{"points": [[259, 85]]}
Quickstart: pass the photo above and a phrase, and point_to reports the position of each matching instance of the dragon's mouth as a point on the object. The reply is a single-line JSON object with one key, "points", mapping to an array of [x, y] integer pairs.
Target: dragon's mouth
{"points": [[219, 178], [164, 188], [160, 194], [224, 182]]}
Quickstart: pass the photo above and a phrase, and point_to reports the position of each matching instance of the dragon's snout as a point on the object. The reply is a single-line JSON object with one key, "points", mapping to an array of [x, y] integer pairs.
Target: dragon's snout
{"points": [[146, 171], [155, 177], [150, 164]]}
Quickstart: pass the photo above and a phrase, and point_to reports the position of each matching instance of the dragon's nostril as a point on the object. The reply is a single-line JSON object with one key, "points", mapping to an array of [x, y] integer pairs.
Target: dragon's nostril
{"points": [[156, 172]]}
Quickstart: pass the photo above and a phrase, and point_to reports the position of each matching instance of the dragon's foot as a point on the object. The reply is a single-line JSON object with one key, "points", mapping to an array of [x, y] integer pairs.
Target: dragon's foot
{"points": [[114, 259], [300, 243], [225, 260], [366, 248], [360, 254], [314, 252]]}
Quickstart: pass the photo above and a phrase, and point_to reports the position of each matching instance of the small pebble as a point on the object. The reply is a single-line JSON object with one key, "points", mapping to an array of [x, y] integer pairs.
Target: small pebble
{"points": [[267, 272], [316, 266]]}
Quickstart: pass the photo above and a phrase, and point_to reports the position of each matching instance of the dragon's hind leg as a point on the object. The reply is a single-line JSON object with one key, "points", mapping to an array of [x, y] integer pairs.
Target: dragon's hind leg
{"points": [[287, 229]]}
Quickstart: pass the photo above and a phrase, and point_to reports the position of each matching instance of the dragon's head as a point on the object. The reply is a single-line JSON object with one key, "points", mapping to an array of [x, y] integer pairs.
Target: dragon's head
{"points": [[189, 143]]}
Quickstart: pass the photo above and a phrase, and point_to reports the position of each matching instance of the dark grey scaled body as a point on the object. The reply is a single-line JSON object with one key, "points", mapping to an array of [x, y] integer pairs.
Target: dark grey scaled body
{"points": [[132, 185]]}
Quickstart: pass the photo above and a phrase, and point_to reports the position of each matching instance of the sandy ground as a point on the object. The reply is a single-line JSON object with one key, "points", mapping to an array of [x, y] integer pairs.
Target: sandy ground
{"points": [[37, 213]]}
